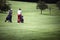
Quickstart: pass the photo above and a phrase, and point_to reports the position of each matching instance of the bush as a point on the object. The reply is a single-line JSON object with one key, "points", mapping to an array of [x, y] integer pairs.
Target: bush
{"points": [[4, 6]]}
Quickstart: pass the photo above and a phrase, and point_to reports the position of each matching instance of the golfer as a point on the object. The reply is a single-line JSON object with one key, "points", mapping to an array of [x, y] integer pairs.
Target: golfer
{"points": [[19, 15]]}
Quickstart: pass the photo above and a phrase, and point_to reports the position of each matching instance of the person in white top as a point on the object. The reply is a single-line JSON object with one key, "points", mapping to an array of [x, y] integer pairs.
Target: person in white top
{"points": [[19, 15], [19, 12]]}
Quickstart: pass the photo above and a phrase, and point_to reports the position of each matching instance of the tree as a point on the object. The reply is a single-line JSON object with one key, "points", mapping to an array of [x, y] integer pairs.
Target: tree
{"points": [[58, 4], [3, 5], [41, 5]]}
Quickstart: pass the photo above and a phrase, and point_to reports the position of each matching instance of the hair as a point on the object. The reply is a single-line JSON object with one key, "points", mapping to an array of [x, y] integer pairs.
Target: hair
{"points": [[19, 8]]}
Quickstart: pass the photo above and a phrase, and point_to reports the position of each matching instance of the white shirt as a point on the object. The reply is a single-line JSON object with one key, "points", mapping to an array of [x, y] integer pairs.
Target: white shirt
{"points": [[19, 12]]}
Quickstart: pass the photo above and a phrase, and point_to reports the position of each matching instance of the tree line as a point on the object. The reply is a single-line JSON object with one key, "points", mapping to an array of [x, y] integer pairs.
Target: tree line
{"points": [[47, 1], [42, 6], [4, 6]]}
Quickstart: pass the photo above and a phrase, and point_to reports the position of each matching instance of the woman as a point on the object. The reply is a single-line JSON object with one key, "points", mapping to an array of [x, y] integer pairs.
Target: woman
{"points": [[19, 15]]}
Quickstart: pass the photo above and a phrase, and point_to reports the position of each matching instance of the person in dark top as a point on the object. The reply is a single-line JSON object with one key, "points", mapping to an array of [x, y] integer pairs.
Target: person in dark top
{"points": [[9, 17]]}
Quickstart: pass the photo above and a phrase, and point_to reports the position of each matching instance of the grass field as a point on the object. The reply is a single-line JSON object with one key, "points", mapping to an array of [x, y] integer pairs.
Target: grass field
{"points": [[35, 26]]}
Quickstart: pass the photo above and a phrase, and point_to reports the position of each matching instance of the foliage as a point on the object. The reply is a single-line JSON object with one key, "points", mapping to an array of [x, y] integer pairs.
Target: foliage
{"points": [[4, 6], [41, 5], [58, 4]]}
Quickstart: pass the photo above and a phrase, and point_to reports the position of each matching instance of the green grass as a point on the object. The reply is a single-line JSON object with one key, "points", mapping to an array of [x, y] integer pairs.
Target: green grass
{"points": [[35, 26]]}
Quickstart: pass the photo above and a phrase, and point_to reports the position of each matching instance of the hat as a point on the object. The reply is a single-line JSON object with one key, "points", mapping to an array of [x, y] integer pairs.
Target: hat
{"points": [[10, 9]]}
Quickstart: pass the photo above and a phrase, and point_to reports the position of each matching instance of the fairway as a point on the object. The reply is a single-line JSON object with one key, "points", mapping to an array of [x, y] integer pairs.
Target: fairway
{"points": [[35, 26]]}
